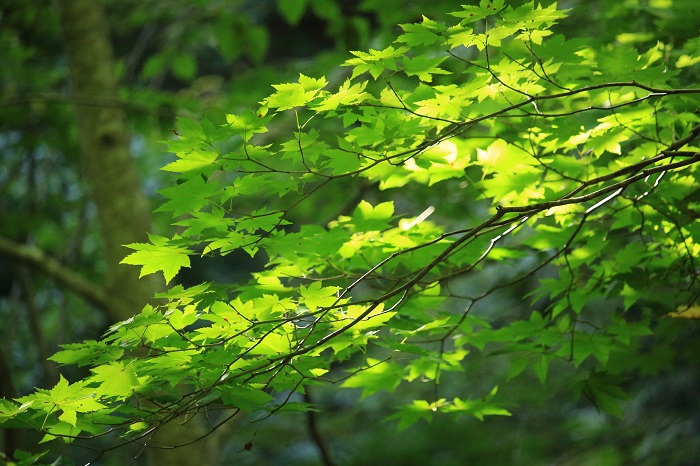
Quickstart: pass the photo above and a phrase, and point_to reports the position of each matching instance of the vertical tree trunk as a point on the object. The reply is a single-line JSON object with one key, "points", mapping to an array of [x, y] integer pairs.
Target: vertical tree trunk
{"points": [[108, 168], [111, 175]]}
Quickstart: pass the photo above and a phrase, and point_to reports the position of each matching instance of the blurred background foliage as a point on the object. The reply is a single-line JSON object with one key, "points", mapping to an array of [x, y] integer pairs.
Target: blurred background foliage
{"points": [[200, 58]]}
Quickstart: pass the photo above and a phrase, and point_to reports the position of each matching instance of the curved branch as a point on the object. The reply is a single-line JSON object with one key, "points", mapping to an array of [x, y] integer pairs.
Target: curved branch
{"points": [[37, 258]]}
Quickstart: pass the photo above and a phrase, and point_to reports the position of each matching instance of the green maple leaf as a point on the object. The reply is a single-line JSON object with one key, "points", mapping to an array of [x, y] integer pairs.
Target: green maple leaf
{"points": [[418, 410], [312, 84], [315, 296], [189, 196], [534, 18], [346, 95], [88, 352], [68, 398], [115, 379], [8, 409], [247, 125], [378, 376], [375, 61], [426, 33], [203, 157], [424, 67], [158, 256], [291, 95]]}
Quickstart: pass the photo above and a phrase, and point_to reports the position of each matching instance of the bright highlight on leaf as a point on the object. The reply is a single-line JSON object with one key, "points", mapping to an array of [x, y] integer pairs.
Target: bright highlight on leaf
{"points": [[686, 312]]}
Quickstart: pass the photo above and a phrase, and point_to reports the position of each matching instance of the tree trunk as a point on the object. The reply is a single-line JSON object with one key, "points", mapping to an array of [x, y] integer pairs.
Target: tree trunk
{"points": [[108, 168], [111, 175]]}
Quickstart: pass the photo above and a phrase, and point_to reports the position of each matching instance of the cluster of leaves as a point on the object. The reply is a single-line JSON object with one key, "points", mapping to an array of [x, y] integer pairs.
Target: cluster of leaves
{"points": [[577, 166]]}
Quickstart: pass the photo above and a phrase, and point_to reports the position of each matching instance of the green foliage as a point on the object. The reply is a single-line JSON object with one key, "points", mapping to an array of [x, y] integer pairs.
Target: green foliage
{"points": [[574, 166]]}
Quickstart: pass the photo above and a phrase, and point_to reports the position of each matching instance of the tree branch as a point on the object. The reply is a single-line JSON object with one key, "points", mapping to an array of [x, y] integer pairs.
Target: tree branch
{"points": [[314, 432], [37, 258]]}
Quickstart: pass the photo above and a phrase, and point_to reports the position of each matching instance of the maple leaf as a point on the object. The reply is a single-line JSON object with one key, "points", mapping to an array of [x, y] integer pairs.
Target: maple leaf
{"points": [[161, 255]]}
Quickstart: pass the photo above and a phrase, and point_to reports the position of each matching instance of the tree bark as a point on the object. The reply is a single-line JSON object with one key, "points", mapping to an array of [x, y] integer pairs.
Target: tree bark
{"points": [[106, 160], [112, 178]]}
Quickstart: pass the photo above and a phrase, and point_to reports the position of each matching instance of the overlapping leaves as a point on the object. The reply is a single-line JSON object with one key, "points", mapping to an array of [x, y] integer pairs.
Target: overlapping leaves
{"points": [[559, 165]]}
